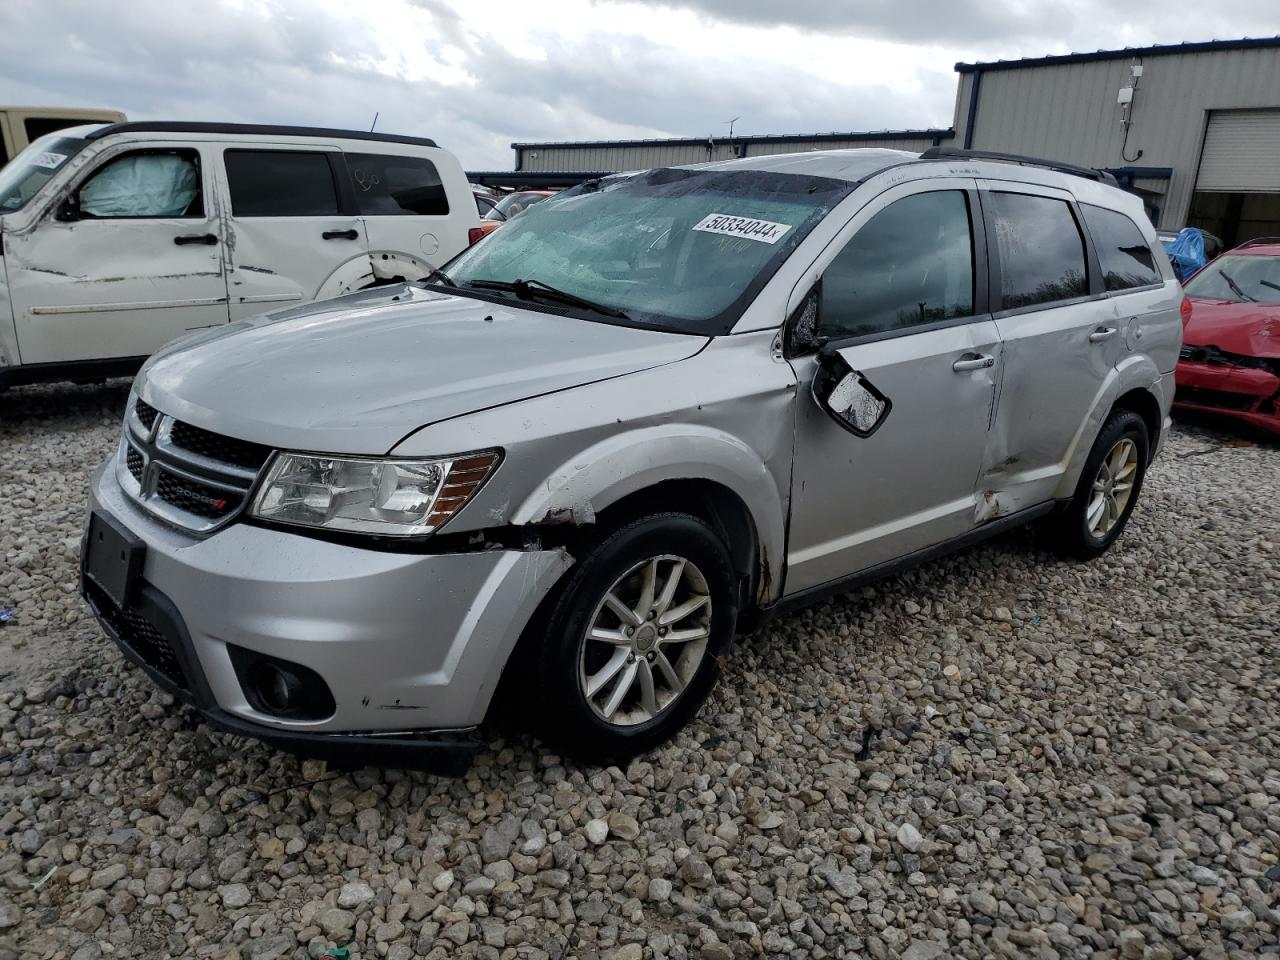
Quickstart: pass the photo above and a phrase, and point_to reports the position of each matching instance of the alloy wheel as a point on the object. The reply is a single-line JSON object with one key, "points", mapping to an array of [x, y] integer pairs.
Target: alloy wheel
{"points": [[645, 641], [1112, 487]]}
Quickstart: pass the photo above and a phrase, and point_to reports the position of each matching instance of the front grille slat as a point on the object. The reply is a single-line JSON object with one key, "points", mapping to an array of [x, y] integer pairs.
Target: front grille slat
{"points": [[145, 413], [192, 496], [133, 460], [189, 476], [214, 446]]}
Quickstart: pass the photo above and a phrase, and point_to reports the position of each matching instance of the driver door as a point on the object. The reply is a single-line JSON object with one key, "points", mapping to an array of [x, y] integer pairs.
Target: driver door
{"points": [[901, 303], [131, 260]]}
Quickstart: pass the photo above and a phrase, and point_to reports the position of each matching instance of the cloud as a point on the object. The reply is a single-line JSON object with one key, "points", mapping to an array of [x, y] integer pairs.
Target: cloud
{"points": [[987, 24], [479, 74]]}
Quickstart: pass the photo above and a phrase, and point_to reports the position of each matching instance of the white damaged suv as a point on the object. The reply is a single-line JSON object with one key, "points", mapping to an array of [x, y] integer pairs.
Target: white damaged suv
{"points": [[117, 238], [564, 472]]}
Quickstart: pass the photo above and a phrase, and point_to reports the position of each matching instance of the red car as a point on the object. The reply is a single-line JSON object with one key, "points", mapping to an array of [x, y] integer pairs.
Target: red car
{"points": [[1230, 361]]}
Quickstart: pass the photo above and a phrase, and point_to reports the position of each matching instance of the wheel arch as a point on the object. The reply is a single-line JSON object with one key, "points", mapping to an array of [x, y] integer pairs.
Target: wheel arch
{"points": [[1142, 402], [698, 469]]}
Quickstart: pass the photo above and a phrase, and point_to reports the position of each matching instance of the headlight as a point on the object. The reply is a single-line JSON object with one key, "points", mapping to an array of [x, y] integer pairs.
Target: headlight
{"points": [[401, 498]]}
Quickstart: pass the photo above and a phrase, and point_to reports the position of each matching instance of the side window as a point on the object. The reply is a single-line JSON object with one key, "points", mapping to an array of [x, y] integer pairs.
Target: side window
{"points": [[155, 183], [1123, 254], [280, 183], [397, 186], [1041, 251], [910, 264]]}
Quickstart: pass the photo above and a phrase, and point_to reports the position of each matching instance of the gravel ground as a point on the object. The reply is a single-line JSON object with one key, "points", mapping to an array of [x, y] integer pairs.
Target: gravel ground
{"points": [[1000, 754]]}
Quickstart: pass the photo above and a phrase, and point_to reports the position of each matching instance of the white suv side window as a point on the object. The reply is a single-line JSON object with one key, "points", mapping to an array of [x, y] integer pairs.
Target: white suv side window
{"points": [[147, 184]]}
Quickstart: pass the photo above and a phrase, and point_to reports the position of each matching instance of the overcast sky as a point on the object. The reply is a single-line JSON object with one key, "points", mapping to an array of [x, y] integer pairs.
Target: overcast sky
{"points": [[479, 74]]}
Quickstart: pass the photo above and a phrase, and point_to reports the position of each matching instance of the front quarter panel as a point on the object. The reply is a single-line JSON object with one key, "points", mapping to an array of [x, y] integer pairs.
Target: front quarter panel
{"points": [[724, 415]]}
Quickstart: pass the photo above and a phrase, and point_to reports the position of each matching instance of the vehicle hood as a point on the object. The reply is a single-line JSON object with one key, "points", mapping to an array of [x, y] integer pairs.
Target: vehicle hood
{"points": [[1250, 329], [358, 373]]}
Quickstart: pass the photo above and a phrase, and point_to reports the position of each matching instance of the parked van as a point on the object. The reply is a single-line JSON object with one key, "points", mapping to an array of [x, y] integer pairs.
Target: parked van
{"points": [[20, 126], [117, 239]]}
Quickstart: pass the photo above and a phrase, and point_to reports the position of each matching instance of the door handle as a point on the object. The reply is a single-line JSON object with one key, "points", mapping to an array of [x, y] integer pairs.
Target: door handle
{"points": [[208, 239], [973, 361], [1102, 333], [340, 235]]}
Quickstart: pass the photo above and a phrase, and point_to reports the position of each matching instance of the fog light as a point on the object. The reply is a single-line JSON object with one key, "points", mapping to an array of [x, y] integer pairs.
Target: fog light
{"points": [[279, 688]]}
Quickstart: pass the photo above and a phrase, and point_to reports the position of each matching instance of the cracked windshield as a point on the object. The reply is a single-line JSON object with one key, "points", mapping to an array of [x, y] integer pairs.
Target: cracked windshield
{"points": [[676, 249]]}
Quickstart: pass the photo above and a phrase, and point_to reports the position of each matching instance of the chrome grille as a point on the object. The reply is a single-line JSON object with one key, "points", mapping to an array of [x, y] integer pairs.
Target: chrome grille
{"points": [[184, 474]]}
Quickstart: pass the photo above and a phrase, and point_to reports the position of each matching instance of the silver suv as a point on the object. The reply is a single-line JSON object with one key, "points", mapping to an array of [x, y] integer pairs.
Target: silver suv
{"points": [[563, 473]]}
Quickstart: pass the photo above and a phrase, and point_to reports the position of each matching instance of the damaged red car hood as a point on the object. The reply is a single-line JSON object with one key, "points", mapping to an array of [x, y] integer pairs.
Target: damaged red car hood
{"points": [[1249, 329]]}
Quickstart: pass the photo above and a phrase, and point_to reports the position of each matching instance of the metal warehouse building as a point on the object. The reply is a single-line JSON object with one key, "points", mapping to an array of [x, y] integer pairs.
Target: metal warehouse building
{"points": [[1194, 128]]}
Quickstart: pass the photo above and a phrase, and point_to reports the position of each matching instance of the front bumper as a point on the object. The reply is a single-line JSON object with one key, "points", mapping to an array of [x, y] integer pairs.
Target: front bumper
{"points": [[407, 643], [1248, 394]]}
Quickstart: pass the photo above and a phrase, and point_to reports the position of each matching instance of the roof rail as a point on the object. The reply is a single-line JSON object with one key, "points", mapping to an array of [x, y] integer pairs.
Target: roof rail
{"points": [[956, 153], [1258, 242], [251, 129]]}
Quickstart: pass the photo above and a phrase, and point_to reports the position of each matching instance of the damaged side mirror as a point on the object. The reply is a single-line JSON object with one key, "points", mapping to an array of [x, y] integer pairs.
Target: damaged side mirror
{"points": [[847, 396], [69, 209]]}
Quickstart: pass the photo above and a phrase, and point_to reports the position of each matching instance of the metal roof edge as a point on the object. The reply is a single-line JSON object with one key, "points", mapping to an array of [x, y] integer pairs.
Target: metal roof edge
{"points": [[252, 129], [1155, 50], [755, 138]]}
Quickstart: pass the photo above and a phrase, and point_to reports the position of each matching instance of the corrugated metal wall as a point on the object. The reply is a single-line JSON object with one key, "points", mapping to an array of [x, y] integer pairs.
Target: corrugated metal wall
{"points": [[641, 156], [1069, 111]]}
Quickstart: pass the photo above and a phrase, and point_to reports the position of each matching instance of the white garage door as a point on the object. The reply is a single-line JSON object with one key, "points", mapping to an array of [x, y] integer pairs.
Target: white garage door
{"points": [[1241, 152]]}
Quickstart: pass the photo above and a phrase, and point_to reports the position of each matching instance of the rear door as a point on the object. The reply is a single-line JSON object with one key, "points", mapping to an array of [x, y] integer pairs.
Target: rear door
{"points": [[903, 302], [1060, 341], [291, 225], [406, 210], [133, 261]]}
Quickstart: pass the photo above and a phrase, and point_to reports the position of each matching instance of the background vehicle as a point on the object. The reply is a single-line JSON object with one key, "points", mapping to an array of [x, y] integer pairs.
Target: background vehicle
{"points": [[1230, 360], [645, 413], [20, 126], [510, 206], [119, 238]]}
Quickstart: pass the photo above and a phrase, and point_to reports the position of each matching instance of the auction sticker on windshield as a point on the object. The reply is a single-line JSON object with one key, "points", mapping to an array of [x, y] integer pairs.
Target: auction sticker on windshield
{"points": [[766, 231], [50, 161]]}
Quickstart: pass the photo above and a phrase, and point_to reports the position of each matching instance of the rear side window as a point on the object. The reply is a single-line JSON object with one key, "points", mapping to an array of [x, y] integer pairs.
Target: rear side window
{"points": [[397, 186], [1126, 260], [909, 265], [281, 183], [1041, 250]]}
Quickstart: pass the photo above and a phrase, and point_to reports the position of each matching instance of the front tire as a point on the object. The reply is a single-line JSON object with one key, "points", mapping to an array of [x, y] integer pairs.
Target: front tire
{"points": [[1108, 490], [635, 639]]}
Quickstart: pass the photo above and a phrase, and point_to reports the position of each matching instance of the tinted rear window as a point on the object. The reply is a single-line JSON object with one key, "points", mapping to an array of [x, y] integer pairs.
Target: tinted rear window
{"points": [[397, 186], [279, 183], [1123, 254], [1041, 250]]}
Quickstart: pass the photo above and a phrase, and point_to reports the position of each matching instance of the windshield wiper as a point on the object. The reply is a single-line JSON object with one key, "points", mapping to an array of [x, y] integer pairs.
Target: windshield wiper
{"points": [[537, 290], [1268, 283], [1235, 287]]}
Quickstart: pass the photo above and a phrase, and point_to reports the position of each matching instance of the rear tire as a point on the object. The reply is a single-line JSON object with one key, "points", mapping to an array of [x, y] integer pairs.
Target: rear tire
{"points": [[1109, 486], [635, 639]]}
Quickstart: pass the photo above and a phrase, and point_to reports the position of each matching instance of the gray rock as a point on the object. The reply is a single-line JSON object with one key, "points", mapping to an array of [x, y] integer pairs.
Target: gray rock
{"points": [[235, 895], [352, 896]]}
